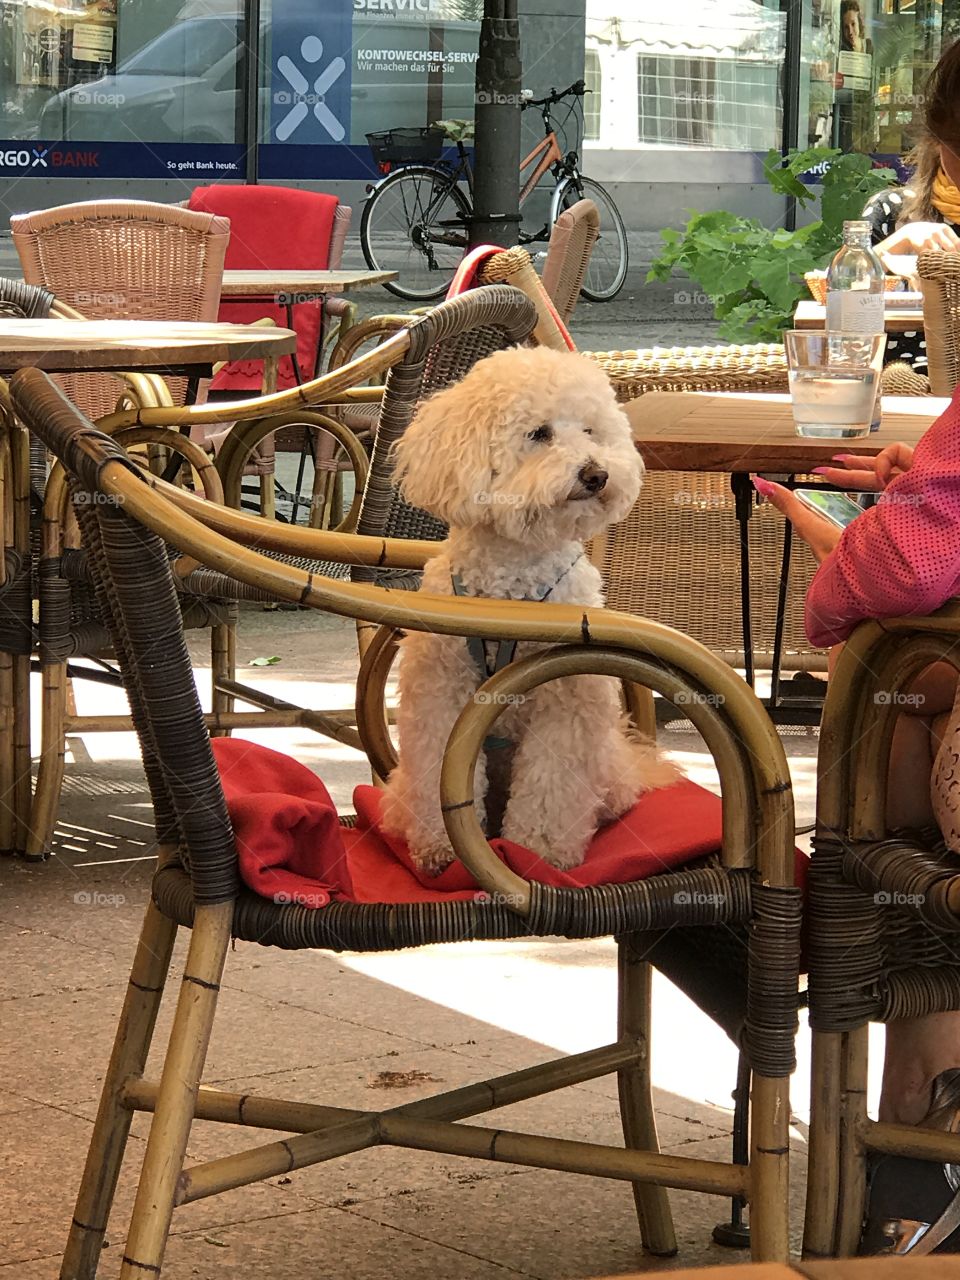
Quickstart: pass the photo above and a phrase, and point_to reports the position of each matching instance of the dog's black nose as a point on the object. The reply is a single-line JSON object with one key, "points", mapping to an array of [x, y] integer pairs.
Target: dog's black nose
{"points": [[592, 477]]}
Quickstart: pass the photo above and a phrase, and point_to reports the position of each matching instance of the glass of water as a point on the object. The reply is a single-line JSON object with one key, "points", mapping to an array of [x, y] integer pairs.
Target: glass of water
{"points": [[834, 379]]}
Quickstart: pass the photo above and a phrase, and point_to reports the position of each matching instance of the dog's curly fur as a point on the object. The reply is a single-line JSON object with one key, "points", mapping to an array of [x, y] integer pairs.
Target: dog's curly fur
{"points": [[513, 460]]}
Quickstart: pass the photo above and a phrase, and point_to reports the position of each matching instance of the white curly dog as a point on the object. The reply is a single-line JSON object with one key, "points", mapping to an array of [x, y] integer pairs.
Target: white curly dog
{"points": [[524, 459]]}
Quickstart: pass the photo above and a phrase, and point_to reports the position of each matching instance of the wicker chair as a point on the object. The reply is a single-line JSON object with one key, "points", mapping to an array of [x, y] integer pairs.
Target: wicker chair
{"points": [[125, 524], [124, 259], [572, 238], [884, 932], [433, 351]]}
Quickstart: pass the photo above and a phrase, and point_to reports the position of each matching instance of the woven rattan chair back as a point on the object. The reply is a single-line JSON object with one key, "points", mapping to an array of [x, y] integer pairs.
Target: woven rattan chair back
{"points": [[572, 239], [130, 571], [444, 345], [939, 273], [124, 259]]}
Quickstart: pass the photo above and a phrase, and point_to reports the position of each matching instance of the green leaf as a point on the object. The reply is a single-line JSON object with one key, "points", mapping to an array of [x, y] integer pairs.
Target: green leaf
{"points": [[264, 662]]}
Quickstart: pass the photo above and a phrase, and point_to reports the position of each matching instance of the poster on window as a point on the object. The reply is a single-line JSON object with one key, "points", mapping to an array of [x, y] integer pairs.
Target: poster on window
{"points": [[855, 59]]}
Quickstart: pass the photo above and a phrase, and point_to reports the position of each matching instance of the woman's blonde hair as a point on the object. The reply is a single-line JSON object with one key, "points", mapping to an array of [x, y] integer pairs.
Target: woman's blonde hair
{"points": [[924, 160], [941, 97]]}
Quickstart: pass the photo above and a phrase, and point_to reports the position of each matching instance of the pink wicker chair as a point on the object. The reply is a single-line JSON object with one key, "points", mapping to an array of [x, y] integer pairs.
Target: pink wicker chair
{"points": [[572, 239], [124, 259]]}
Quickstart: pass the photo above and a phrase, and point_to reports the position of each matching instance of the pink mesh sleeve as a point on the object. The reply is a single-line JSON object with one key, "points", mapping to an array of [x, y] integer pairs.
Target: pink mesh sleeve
{"points": [[903, 555]]}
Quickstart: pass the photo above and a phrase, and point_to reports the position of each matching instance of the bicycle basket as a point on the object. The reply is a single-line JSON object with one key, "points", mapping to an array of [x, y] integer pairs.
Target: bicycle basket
{"points": [[405, 146]]}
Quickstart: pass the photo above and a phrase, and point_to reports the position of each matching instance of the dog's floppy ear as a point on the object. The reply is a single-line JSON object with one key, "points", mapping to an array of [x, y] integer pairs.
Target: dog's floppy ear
{"points": [[442, 461]]}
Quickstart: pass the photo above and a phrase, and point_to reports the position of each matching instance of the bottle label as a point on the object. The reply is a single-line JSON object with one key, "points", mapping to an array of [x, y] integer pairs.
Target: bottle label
{"points": [[855, 311]]}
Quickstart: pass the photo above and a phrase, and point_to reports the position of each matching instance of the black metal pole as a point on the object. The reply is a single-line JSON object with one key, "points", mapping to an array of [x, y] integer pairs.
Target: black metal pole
{"points": [[791, 94], [249, 84], [496, 189]]}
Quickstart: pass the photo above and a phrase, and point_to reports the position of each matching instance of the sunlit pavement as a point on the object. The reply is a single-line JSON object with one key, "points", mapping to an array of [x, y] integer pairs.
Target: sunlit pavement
{"points": [[341, 1029]]}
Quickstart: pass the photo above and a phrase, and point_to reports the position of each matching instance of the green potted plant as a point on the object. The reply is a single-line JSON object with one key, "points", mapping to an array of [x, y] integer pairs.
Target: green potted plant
{"points": [[754, 274]]}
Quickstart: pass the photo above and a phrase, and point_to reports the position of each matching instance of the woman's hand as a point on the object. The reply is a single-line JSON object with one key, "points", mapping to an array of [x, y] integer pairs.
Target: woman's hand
{"points": [[913, 237], [820, 534], [871, 475]]}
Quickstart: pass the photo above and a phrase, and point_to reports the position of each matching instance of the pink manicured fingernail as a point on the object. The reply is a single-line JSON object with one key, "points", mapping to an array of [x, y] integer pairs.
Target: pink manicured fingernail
{"points": [[762, 486], [839, 457], [819, 471]]}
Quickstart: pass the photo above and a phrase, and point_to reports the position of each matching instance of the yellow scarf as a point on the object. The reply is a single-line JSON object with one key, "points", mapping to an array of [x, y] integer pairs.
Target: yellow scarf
{"points": [[946, 198]]}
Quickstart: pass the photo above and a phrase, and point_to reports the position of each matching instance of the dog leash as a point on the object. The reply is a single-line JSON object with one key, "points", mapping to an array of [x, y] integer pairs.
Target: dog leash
{"points": [[506, 649]]}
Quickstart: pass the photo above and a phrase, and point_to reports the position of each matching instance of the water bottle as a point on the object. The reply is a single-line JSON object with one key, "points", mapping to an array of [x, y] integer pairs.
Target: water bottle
{"points": [[856, 291]]}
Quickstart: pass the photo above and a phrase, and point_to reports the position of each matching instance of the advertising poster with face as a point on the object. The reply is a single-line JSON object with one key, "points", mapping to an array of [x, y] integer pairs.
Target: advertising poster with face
{"points": [[855, 59]]}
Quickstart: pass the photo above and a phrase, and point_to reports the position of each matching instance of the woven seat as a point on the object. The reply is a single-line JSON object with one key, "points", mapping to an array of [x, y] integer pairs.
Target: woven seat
{"points": [[126, 523], [884, 910]]}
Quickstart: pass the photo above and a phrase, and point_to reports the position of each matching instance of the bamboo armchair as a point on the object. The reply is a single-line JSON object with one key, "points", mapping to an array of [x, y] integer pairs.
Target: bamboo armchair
{"points": [[434, 350], [884, 912], [572, 238], [126, 523]]}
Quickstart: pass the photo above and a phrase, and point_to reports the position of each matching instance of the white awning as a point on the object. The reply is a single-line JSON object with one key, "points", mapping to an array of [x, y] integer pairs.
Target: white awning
{"points": [[736, 29]]}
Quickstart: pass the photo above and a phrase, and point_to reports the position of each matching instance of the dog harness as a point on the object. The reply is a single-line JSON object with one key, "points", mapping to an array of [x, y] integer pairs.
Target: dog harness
{"points": [[506, 649]]}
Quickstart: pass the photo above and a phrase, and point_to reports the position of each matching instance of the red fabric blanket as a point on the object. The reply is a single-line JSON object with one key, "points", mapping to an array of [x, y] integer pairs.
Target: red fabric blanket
{"points": [[292, 849], [271, 227]]}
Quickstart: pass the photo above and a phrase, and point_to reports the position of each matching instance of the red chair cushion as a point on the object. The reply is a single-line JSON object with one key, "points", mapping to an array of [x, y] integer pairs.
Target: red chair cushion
{"points": [[271, 228], [291, 847]]}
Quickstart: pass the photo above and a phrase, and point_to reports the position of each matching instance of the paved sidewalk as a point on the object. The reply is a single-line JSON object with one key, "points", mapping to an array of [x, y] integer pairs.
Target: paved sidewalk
{"points": [[361, 1031]]}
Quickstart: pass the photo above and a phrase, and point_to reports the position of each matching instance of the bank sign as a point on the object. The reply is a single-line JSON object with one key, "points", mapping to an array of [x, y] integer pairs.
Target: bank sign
{"points": [[207, 161]]}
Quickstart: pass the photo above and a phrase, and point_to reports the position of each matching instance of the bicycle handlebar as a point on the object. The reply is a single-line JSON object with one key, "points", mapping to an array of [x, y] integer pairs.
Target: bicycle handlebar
{"points": [[577, 89]]}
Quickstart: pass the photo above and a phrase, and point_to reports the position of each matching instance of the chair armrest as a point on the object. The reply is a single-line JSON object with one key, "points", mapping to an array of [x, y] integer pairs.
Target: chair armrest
{"points": [[315, 544], [755, 781], [864, 698]]}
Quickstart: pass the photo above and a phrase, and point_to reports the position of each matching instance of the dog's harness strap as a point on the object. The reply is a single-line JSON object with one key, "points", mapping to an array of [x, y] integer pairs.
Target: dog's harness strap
{"points": [[506, 649]]}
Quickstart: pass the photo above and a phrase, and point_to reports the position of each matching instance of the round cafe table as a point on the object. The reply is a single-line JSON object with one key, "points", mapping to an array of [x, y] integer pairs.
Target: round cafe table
{"points": [[175, 348]]}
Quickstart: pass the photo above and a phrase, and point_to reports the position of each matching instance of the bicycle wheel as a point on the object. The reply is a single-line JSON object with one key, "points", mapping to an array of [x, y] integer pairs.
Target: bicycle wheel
{"points": [[607, 269], [414, 222]]}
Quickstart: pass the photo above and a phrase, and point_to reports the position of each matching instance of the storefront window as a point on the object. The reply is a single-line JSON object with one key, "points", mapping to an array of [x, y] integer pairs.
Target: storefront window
{"points": [[591, 103], [121, 87], [335, 72], [865, 63], [700, 73]]}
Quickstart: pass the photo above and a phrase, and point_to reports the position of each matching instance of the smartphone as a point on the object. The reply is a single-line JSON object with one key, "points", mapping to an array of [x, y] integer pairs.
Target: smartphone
{"points": [[839, 508]]}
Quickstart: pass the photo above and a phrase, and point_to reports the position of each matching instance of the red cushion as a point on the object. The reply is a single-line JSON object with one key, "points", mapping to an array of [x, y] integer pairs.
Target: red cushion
{"points": [[271, 227], [291, 847]]}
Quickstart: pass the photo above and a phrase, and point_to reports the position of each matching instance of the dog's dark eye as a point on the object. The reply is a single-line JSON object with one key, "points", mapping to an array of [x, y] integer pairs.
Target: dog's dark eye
{"points": [[542, 435]]}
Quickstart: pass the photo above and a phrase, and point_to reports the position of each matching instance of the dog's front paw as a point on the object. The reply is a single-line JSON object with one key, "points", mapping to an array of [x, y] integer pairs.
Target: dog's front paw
{"points": [[563, 852]]}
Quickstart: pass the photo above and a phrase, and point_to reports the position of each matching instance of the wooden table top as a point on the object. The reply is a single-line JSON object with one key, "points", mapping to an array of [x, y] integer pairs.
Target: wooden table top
{"points": [[264, 284], [750, 431], [813, 315], [945, 1267], [70, 346]]}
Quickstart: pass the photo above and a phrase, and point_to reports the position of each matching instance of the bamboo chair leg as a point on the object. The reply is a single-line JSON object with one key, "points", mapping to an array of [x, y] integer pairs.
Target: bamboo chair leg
{"points": [[268, 495], [636, 1099], [129, 1057], [222, 667], [23, 781], [770, 1169], [823, 1168], [853, 1160], [46, 798], [8, 776], [176, 1100]]}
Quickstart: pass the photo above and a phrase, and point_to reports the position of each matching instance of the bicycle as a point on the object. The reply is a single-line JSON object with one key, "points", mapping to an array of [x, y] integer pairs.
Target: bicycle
{"points": [[416, 218]]}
